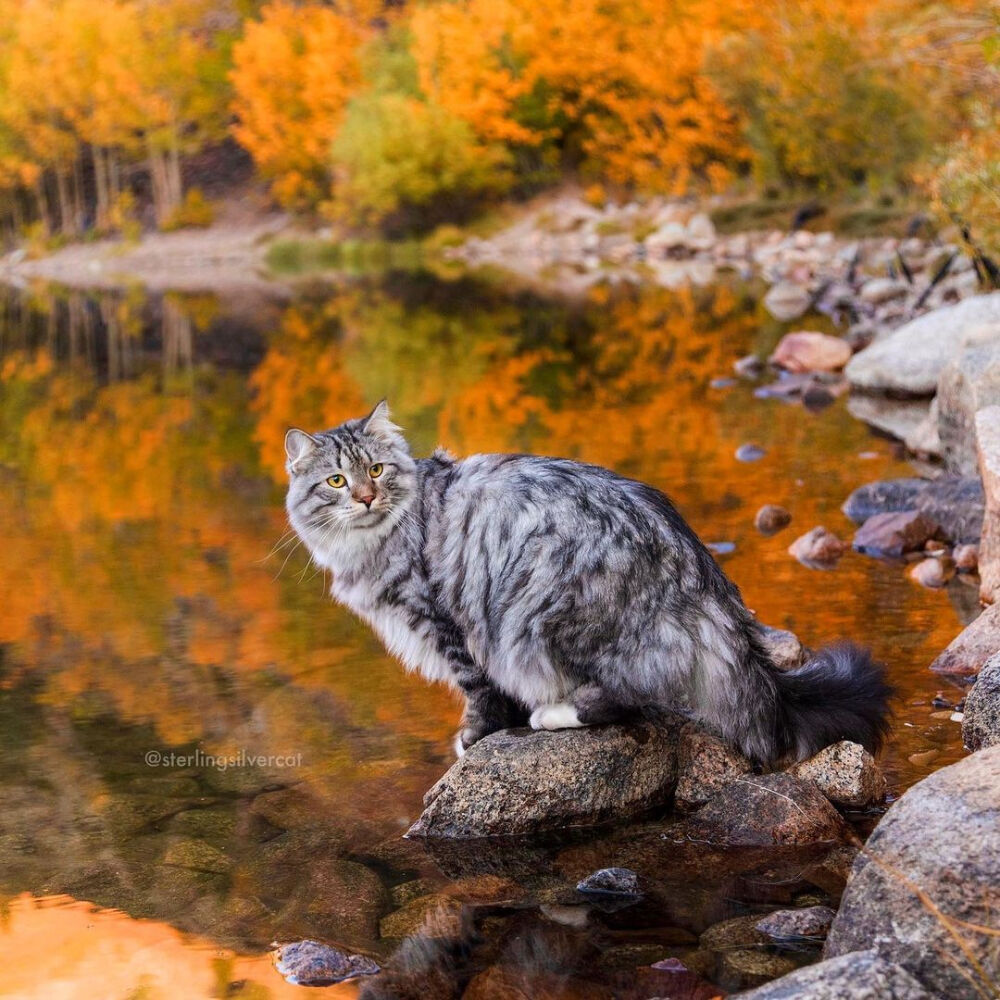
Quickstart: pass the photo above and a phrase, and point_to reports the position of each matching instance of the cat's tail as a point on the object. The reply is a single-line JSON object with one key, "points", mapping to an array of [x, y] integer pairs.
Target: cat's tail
{"points": [[840, 693]]}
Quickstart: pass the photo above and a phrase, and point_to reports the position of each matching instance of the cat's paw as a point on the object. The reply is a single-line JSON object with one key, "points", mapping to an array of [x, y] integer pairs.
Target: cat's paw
{"points": [[562, 715], [459, 745]]}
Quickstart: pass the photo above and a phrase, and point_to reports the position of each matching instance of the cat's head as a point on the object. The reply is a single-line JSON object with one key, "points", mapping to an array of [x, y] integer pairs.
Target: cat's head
{"points": [[349, 485]]}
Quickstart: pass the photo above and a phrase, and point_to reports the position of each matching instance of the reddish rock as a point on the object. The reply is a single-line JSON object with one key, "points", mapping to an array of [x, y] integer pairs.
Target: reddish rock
{"points": [[893, 535], [818, 547], [933, 572], [771, 518], [968, 652], [806, 351]]}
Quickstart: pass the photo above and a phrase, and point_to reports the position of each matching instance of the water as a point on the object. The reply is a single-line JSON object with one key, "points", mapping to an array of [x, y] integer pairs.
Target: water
{"points": [[200, 754]]}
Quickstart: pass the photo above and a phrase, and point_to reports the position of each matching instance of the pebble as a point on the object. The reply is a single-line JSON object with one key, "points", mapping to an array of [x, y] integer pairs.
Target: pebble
{"points": [[721, 548], [611, 881], [750, 453], [310, 963], [924, 757], [771, 518], [932, 572]]}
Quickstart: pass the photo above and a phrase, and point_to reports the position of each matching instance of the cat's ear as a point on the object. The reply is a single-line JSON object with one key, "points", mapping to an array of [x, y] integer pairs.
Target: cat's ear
{"points": [[379, 423], [298, 446]]}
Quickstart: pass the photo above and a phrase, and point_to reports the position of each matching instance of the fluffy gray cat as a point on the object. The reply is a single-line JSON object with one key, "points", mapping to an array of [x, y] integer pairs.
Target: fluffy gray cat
{"points": [[557, 593]]}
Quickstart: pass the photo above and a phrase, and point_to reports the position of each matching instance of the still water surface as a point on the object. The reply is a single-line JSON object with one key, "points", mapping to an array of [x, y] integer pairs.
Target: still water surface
{"points": [[152, 610]]}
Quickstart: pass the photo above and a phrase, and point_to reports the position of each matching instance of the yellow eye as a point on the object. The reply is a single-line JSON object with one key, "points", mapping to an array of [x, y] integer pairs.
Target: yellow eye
{"points": [[338, 481], [375, 471]]}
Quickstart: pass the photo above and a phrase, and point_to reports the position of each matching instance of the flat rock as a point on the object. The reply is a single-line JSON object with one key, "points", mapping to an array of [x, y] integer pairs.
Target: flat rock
{"points": [[968, 652], [955, 504], [846, 773], [808, 922], [311, 963], [981, 724], [706, 765], [987, 423], [910, 359], [766, 809], [787, 300], [932, 860], [860, 975], [521, 781], [891, 536], [807, 351], [817, 548]]}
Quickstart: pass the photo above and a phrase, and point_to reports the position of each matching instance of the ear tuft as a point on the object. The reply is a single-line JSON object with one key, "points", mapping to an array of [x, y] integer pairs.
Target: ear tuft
{"points": [[379, 423], [298, 446]]}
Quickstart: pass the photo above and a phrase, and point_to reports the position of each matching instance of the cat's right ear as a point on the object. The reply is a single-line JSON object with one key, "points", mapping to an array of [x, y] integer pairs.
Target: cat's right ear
{"points": [[298, 446]]}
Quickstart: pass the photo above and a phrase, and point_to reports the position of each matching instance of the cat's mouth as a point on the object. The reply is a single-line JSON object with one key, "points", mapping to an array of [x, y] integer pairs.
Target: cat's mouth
{"points": [[368, 518]]}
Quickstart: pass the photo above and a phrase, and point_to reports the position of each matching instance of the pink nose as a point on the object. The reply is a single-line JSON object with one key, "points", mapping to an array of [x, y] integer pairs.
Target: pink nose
{"points": [[367, 500]]}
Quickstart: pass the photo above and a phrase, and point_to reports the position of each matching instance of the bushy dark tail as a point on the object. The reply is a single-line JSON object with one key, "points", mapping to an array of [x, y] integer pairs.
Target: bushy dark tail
{"points": [[839, 694]]}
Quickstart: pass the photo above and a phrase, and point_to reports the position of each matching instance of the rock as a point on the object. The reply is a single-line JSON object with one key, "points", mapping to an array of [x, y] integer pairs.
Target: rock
{"points": [[672, 978], [966, 558], [345, 899], [749, 453], [955, 504], [771, 518], [981, 725], [968, 652], [809, 922], [846, 773], [700, 232], [196, 855], [910, 359], [931, 862], [891, 536], [933, 572], [968, 383], [705, 766], [521, 781], [907, 420], [310, 963], [749, 366], [611, 882], [859, 975], [817, 548], [438, 910], [750, 967], [784, 647], [736, 932], [806, 351], [787, 300], [766, 809], [988, 442], [879, 290]]}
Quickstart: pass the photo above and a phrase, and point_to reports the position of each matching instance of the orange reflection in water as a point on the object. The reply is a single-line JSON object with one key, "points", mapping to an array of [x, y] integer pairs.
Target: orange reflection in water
{"points": [[58, 948]]}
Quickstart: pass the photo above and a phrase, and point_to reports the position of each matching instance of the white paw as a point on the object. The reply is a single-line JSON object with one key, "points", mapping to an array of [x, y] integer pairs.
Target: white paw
{"points": [[459, 746], [559, 716]]}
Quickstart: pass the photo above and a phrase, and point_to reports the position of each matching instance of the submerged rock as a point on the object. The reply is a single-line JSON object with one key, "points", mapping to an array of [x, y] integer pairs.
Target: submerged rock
{"points": [[910, 360], [846, 773], [808, 922], [955, 504], [611, 882], [860, 975], [817, 548], [771, 518], [894, 535], [927, 880], [766, 809], [968, 652], [310, 963], [520, 781], [806, 351], [981, 724]]}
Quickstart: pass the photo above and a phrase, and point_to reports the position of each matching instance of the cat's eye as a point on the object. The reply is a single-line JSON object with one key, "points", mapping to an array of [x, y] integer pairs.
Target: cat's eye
{"points": [[337, 481], [376, 470]]}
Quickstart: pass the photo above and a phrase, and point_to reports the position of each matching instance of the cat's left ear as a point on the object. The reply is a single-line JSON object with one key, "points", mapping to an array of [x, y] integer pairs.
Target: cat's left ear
{"points": [[379, 423]]}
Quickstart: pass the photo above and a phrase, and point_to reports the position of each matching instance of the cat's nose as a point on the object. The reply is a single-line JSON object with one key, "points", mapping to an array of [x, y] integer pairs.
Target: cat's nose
{"points": [[367, 500]]}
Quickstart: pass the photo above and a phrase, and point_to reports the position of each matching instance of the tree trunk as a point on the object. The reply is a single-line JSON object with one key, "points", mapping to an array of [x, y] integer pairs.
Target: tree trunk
{"points": [[66, 221], [101, 186]]}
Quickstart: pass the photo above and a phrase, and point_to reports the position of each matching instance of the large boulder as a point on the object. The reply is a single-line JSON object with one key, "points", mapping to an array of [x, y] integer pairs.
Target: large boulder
{"points": [[969, 383], [910, 360], [860, 975], [955, 504], [766, 809], [927, 882], [981, 725], [968, 652], [522, 781], [988, 442]]}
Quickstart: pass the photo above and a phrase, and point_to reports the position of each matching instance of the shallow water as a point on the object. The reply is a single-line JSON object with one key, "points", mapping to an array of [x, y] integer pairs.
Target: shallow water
{"points": [[200, 755]]}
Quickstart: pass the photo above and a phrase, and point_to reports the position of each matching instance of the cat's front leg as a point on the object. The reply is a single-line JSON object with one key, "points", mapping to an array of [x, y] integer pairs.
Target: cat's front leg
{"points": [[487, 709]]}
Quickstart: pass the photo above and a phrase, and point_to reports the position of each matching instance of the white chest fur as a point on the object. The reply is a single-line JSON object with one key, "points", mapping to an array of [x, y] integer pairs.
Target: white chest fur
{"points": [[414, 647]]}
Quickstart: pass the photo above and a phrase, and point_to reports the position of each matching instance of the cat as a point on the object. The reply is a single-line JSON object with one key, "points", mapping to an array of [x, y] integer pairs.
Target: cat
{"points": [[557, 594]]}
